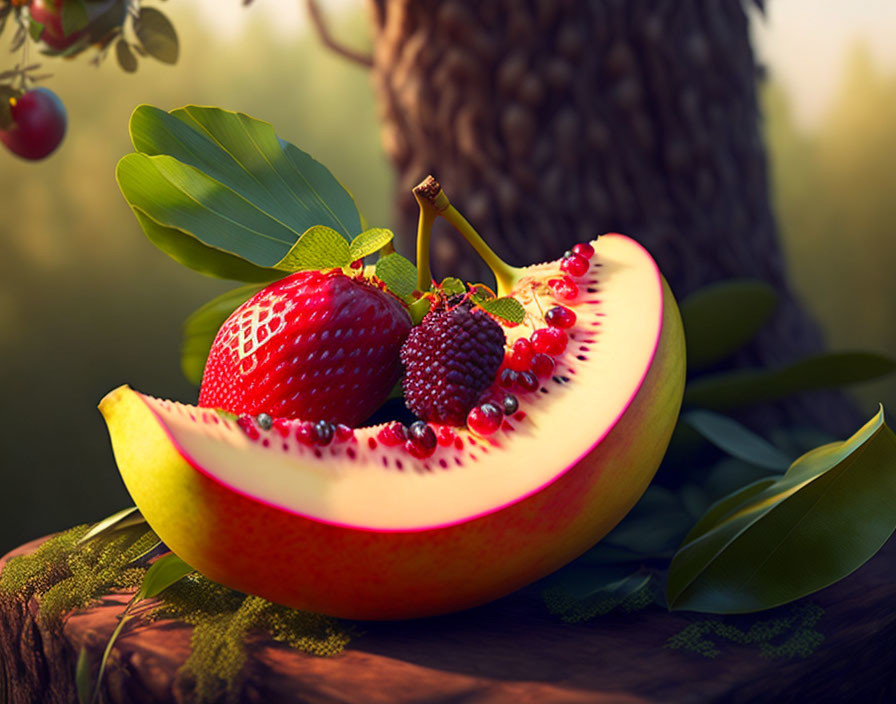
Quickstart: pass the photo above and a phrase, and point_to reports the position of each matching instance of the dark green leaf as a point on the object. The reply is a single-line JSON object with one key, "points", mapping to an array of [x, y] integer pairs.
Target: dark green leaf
{"points": [[654, 526], [191, 252], [167, 570], [579, 592], [157, 35], [82, 677], [506, 308], [319, 247], [74, 16], [222, 184], [721, 318], [120, 520], [729, 435], [35, 29], [370, 241], [780, 539], [200, 328], [399, 275], [4, 15], [452, 286], [733, 389], [125, 56]]}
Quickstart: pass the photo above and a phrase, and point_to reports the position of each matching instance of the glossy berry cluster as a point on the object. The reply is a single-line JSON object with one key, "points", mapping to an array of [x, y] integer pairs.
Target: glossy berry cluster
{"points": [[450, 359], [310, 433]]}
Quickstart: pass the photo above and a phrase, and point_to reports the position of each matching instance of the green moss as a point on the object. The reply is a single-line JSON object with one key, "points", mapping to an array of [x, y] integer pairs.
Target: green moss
{"points": [[788, 636], [572, 609], [63, 575]]}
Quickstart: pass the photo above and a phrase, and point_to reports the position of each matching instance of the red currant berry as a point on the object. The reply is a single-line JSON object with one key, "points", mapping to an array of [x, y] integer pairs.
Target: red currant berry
{"points": [[446, 436], [564, 288], [527, 381], [507, 378], [393, 434], [542, 365], [550, 340], [305, 432], [422, 440], [583, 249], [521, 355], [344, 433], [560, 317], [485, 419], [575, 265]]}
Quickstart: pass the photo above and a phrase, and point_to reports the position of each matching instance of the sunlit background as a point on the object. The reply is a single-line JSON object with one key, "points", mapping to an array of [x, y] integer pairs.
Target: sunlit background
{"points": [[86, 303]]}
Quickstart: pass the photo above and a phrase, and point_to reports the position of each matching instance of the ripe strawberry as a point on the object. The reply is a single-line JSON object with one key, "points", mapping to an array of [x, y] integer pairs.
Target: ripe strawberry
{"points": [[318, 346], [451, 358]]}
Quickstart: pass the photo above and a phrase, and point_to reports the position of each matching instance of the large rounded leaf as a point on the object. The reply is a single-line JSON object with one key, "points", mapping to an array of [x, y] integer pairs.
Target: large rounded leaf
{"points": [[780, 539]]}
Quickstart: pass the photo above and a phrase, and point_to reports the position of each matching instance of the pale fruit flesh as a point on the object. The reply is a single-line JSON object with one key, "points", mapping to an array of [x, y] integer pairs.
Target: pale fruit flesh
{"points": [[373, 533]]}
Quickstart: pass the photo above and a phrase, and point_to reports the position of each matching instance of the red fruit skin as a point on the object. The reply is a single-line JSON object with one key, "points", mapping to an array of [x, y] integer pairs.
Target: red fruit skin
{"points": [[316, 346], [101, 17], [39, 122]]}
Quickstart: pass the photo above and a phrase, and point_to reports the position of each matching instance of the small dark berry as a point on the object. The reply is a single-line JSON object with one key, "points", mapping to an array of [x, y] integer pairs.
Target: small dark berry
{"points": [[265, 422], [508, 378], [511, 405], [560, 317], [323, 432], [527, 381], [542, 365]]}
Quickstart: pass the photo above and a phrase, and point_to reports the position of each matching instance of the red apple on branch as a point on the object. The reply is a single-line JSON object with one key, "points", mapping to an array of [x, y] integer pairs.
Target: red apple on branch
{"points": [[38, 124]]}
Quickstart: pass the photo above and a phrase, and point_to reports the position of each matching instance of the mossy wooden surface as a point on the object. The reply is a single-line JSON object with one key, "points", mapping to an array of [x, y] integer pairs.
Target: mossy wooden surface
{"points": [[835, 646]]}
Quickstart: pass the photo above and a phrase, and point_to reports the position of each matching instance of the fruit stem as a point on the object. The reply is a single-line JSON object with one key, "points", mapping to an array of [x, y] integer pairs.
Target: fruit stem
{"points": [[430, 191], [428, 215]]}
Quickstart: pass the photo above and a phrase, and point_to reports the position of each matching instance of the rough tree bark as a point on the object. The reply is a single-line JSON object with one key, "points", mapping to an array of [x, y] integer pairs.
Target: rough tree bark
{"points": [[551, 121]]}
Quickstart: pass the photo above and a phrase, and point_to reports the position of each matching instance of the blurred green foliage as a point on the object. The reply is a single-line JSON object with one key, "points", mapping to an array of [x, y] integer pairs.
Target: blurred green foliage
{"points": [[87, 303]]}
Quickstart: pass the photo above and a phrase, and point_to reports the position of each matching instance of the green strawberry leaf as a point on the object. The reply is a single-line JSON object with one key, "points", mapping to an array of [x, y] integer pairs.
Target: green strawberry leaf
{"points": [[369, 242], [221, 193], [399, 275], [35, 29], [506, 308], [729, 435], [157, 35], [739, 388], [721, 318], [319, 247], [782, 538], [452, 286], [200, 329]]}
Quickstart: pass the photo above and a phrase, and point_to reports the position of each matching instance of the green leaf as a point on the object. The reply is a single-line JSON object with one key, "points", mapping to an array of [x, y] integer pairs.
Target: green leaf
{"points": [[453, 287], [780, 539], [739, 388], [191, 252], [157, 35], [167, 570], [82, 677], [74, 16], [370, 241], [721, 318], [319, 247], [35, 29], [222, 186], [200, 328], [126, 59], [732, 437], [581, 592], [399, 275], [506, 308], [120, 520]]}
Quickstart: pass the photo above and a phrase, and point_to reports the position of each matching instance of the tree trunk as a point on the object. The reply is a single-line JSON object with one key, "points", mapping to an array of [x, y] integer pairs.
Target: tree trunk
{"points": [[551, 121]]}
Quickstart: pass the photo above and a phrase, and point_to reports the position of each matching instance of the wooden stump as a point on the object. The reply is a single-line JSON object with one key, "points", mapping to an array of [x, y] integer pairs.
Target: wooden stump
{"points": [[511, 650]]}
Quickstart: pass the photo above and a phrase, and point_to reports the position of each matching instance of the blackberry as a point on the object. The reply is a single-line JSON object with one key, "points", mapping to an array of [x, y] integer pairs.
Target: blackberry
{"points": [[450, 359]]}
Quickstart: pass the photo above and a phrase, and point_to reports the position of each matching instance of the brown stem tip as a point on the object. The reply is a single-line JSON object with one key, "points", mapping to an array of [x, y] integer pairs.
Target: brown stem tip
{"points": [[430, 191]]}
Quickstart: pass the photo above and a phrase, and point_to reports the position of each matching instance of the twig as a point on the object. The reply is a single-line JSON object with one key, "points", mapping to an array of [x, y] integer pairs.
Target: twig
{"points": [[323, 31]]}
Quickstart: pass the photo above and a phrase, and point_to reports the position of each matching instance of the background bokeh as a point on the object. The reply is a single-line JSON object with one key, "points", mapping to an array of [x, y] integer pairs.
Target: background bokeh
{"points": [[86, 303]]}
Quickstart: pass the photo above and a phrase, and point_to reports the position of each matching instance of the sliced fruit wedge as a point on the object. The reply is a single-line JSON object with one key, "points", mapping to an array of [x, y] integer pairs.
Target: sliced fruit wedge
{"points": [[361, 529]]}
